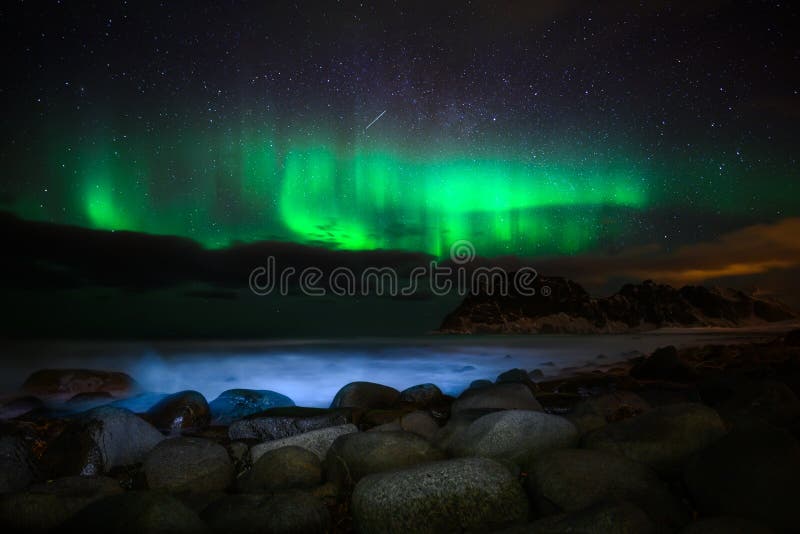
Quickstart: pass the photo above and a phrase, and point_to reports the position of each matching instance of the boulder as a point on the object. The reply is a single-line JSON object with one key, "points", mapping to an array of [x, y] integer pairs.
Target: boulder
{"points": [[595, 412], [16, 463], [16, 406], [601, 518], [188, 465], [179, 411], [48, 505], [62, 384], [285, 512], [421, 396], [135, 512], [570, 480], [517, 376], [467, 494], [366, 395], [480, 383], [456, 425], [235, 404], [725, 525], [792, 338], [280, 423], [99, 440], [316, 441], [515, 435], [750, 473], [420, 423], [663, 364], [285, 468], [497, 396], [663, 438], [353, 456], [770, 400]]}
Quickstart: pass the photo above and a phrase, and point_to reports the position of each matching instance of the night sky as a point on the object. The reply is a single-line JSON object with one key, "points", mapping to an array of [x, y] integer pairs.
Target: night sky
{"points": [[548, 129]]}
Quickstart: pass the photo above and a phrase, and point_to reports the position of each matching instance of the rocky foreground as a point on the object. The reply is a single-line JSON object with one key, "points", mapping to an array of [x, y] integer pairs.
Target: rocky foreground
{"points": [[701, 440]]}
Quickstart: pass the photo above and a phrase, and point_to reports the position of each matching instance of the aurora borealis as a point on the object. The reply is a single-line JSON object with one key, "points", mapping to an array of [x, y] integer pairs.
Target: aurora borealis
{"points": [[529, 131]]}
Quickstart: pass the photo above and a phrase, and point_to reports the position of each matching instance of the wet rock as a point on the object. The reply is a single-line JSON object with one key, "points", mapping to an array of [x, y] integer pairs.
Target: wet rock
{"points": [[136, 512], [725, 525], [17, 406], [517, 376], [62, 384], [468, 494], [570, 480], [770, 400], [16, 462], [89, 400], [48, 505], [353, 456], [456, 425], [235, 404], [515, 435], [420, 423], [601, 518], [374, 418], [663, 438], [188, 465], [497, 396], [179, 411], [366, 395], [99, 440], [594, 412], [316, 441], [421, 396], [280, 423], [480, 383], [286, 512], [751, 473], [536, 375], [663, 364], [284, 468]]}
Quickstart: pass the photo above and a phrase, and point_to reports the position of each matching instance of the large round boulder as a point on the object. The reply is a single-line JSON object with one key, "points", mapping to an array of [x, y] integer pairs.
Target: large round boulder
{"points": [[467, 494], [235, 404], [16, 463], [47, 505], [612, 517], [752, 473], [316, 441], [569, 480], [179, 411], [663, 364], [135, 512], [663, 438], [62, 384], [515, 435], [366, 395], [277, 423], [285, 468], [285, 512], [353, 456], [506, 396], [421, 396], [99, 440], [188, 465]]}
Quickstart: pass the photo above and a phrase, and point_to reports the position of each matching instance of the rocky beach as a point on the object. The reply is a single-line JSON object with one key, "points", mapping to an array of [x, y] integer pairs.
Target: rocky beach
{"points": [[692, 440]]}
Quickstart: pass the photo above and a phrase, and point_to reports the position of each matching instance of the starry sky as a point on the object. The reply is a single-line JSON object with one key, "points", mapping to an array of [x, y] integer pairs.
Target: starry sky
{"points": [[549, 128]]}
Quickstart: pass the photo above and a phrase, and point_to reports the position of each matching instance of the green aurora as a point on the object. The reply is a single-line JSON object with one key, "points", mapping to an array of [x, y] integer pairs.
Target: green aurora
{"points": [[352, 195]]}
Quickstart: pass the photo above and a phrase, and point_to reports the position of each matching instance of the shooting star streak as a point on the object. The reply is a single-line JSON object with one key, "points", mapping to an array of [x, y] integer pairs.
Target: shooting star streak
{"points": [[375, 120]]}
